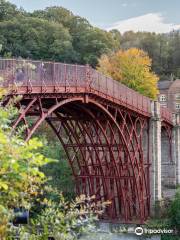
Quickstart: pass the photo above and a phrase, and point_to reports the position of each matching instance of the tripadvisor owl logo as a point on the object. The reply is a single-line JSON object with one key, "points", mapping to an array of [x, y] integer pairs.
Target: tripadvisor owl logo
{"points": [[139, 231]]}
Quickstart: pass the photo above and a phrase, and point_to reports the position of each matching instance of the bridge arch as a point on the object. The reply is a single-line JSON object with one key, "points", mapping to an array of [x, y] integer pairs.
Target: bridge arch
{"points": [[103, 146]]}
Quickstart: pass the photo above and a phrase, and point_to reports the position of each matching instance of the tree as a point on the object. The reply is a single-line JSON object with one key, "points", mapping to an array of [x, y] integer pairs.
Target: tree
{"points": [[89, 43], [116, 36], [55, 14], [174, 53], [55, 33], [9, 10], [20, 177], [158, 47], [36, 38], [131, 67]]}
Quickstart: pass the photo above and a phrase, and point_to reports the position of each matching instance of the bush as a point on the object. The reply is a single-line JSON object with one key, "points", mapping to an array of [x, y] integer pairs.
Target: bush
{"points": [[62, 220], [170, 218], [23, 186], [20, 175], [174, 211]]}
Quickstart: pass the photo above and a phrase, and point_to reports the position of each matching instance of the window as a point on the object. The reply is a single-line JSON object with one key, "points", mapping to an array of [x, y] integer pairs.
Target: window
{"points": [[163, 104], [177, 106], [162, 98], [177, 96]]}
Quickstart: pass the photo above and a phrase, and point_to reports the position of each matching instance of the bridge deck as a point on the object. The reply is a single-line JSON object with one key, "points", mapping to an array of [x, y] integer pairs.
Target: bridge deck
{"points": [[26, 76]]}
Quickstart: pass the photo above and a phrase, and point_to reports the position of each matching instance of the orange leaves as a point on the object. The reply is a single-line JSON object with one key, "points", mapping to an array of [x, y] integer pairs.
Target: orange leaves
{"points": [[133, 68]]}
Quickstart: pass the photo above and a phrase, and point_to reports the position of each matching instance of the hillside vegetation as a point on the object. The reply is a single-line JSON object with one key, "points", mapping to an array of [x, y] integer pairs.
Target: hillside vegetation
{"points": [[55, 33]]}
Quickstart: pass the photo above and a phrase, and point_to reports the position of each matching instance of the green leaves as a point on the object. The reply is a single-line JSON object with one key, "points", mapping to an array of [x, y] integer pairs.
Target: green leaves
{"points": [[20, 162], [23, 185], [3, 185], [174, 211], [53, 34], [7, 10], [63, 220]]}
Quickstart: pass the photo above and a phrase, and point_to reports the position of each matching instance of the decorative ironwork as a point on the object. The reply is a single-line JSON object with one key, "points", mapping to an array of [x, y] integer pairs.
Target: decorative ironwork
{"points": [[102, 125]]}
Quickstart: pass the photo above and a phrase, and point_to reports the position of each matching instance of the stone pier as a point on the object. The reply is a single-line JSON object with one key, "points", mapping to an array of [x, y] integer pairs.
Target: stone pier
{"points": [[176, 148], [165, 157], [155, 155]]}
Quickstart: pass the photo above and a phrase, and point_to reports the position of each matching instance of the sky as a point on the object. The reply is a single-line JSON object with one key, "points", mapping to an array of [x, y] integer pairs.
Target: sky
{"points": [[138, 15]]}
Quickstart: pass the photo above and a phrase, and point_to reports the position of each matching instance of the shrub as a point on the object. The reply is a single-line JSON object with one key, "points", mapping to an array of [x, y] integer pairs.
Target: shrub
{"points": [[62, 220], [20, 177], [174, 211]]}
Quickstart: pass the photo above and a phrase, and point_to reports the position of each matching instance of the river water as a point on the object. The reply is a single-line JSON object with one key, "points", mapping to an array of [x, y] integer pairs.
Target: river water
{"points": [[113, 236]]}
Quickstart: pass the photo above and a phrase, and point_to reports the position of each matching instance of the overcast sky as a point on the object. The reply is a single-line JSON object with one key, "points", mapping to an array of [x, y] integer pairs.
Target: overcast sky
{"points": [[137, 15]]}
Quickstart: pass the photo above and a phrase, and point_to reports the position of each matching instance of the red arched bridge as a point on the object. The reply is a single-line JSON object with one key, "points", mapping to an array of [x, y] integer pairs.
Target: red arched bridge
{"points": [[102, 125]]}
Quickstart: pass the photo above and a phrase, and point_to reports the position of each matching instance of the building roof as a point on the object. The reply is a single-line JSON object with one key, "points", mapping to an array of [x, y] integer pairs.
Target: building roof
{"points": [[164, 84], [175, 86]]}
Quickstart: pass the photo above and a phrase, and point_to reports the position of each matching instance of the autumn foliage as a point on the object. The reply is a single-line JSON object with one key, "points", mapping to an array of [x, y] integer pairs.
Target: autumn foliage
{"points": [[131, 67]]}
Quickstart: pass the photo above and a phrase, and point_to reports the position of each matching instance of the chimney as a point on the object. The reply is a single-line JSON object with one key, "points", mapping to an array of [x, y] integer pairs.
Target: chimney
{"points": [[171, 77]]}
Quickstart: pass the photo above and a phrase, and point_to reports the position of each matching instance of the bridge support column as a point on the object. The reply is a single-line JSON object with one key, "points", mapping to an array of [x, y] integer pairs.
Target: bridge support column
{"points": [[155, 156], [176, 148]]}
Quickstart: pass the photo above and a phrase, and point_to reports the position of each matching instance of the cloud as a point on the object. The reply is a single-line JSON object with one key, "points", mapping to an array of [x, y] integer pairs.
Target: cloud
{"points": [[151, 22], [124, 5]]}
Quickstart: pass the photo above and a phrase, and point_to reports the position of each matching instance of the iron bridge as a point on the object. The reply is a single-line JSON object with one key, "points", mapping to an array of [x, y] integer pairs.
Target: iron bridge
{"points": [[102, 125]]}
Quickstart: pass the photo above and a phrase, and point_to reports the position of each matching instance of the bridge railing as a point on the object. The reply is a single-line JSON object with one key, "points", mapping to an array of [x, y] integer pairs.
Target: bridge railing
{"points": [[31, 74], [38, 73], [166, 114], [120, 92]]}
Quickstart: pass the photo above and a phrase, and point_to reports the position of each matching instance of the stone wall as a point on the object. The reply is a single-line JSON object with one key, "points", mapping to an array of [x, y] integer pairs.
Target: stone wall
{"points": [[168, 173], [176, 148], [164, 155]]}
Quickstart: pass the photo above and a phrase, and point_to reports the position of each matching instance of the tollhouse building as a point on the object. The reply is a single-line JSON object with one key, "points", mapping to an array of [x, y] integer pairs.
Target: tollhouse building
{"points": [[169, 94]]}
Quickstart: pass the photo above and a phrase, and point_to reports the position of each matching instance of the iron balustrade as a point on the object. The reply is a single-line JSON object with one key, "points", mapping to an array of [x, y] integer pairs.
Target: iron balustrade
{"points": [[166, 114], [30, 74]]}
